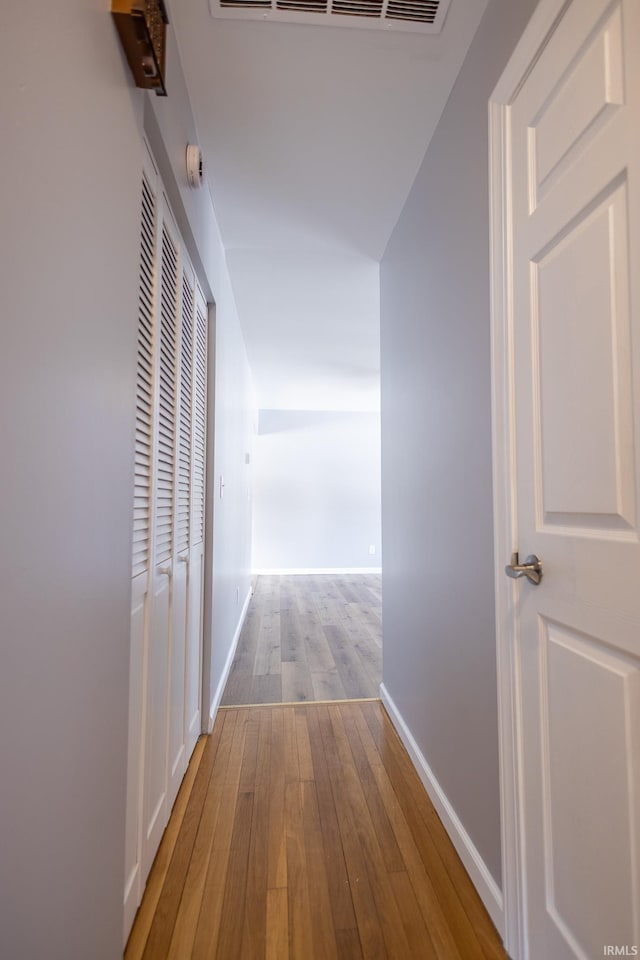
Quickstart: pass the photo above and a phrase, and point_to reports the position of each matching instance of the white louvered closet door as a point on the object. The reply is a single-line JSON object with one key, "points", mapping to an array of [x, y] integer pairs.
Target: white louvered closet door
{"points": [[195, 618], [155, 791], [168, 534], [178, 747], [141, 559]]}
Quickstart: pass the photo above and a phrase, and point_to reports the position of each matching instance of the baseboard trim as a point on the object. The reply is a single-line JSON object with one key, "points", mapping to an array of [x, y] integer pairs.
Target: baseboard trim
{"points": [[480, 875], [306, 571], [217, 697]]}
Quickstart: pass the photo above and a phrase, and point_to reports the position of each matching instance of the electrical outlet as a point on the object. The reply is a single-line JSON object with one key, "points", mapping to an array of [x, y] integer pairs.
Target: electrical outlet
{"points": [[372, 549]]}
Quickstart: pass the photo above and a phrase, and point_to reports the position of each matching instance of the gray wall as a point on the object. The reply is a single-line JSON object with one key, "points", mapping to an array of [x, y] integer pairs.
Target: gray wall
{"points": [[316, 490], [234, 427], [439, 628], [69, 207]]}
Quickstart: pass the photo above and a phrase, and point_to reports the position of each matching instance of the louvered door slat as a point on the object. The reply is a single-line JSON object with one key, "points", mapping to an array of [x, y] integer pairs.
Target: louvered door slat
{"points": [[146, 321], [199, 421], [183, 507], [144, 379], [142, 415], [166, 426]]}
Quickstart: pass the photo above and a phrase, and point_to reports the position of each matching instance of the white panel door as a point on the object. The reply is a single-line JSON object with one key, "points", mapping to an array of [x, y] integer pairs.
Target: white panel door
{"points": [[155, 794], [575, 196]]}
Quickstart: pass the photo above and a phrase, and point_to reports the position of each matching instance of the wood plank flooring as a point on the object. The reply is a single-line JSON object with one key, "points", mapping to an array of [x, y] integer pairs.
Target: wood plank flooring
{"points": [[305, 833], [309, 638]]}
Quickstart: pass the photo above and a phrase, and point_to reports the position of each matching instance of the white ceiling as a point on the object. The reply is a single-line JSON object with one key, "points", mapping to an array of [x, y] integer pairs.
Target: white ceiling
{"points": [[312, 137]]}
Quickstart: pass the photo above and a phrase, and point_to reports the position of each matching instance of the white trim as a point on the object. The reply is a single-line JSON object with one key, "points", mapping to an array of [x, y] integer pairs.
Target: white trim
{"points": [[505, 531], [217, 697], [535, 37], [306, 571], [475, 866]]}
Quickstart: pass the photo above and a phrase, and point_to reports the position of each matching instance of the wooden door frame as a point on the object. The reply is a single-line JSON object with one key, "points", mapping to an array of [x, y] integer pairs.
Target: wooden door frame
{"points": [[534, 39]]}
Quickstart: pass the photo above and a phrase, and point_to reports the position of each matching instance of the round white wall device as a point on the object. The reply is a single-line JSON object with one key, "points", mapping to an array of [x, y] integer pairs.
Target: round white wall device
{"points": [[195, 166]]}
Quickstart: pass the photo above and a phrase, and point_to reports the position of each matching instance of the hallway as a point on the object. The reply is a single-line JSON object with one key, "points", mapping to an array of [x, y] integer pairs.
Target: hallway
{"points": [[303, 832]]}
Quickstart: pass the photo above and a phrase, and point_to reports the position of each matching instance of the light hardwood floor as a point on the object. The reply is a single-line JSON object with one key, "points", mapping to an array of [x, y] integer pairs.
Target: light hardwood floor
{"points": [[303, 832], [309, 638]]}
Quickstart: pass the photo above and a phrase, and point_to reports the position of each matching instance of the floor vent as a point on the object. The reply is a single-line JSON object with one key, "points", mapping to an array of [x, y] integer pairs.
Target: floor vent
{"points": [[418, 16]]}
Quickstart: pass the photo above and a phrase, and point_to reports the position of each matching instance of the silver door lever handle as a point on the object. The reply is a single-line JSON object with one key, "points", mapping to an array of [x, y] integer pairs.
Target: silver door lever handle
{"points": [[531, 568]]}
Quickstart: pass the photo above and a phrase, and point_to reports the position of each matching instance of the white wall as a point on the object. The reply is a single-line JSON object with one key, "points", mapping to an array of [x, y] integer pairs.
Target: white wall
{"points": [[316, 490], [69, 206], [439, 630]]}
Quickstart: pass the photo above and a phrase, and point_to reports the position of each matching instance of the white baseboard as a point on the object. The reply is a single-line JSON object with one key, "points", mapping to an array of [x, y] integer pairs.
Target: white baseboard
{"points": [[217, 697], [481, 877], [306, 571]]}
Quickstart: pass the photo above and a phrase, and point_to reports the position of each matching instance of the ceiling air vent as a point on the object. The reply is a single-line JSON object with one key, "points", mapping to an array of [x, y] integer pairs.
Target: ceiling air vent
{"points": [[418, 16]]}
